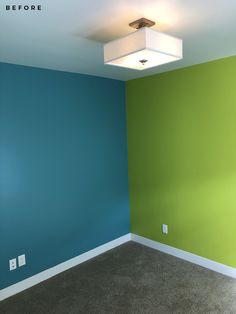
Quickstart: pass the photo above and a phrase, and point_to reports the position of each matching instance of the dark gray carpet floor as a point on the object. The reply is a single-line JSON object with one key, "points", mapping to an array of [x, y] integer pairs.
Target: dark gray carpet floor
{"points": [[129, 279]]}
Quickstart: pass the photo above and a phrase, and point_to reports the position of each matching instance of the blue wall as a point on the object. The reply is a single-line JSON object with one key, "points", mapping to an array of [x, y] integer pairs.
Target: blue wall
{"points": [[63, 166]]}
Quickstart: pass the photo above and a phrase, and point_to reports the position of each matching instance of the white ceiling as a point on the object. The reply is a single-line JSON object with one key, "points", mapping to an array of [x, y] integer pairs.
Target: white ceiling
{"points": [[68, 35]]}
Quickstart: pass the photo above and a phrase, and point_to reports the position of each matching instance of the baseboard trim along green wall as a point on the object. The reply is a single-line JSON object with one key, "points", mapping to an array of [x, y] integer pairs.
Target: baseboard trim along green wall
{"points": [[182, 158], [38, 278], [192, 258]]}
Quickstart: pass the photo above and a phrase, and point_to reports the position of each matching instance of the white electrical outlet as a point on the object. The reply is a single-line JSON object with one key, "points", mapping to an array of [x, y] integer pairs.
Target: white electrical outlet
{"points": [[21, 260], [12, 264], [165, 229]]}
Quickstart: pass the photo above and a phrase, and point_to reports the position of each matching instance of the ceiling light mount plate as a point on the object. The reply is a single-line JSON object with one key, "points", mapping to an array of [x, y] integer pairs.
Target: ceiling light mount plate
{"points": [[143, 22]]}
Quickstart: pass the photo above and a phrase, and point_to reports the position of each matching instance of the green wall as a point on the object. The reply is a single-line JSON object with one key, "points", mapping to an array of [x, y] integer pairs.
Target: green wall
{"points": [[182, 158]]}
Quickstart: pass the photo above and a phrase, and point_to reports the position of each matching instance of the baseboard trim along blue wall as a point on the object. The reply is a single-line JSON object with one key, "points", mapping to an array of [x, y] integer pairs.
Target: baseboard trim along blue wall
{"points": [[48, 273], [63, 167]]}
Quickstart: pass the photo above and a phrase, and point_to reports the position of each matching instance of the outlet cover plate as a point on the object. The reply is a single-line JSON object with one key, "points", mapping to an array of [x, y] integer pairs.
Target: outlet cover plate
{"points": [[165, 229], [12, 264], [21, 260]]}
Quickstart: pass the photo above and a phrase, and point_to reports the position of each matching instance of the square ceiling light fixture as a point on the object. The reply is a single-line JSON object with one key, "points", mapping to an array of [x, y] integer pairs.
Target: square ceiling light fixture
{"points": [[144, 48]]}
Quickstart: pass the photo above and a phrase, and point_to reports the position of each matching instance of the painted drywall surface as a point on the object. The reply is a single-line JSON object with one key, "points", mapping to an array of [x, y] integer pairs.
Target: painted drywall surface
{"points": [[63, 166], [182, 158]]}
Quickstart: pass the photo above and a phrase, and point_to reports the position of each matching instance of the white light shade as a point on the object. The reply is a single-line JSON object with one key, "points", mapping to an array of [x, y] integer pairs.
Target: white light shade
{"points": [[143, 49]]}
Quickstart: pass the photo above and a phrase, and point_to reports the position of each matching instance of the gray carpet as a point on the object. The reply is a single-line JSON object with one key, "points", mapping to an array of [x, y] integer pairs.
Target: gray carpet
{"points": [[129, 279]]}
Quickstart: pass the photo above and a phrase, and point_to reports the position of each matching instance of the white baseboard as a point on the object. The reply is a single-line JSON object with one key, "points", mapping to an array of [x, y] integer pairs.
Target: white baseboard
{"points": [[195, 259], [44, 275]]}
